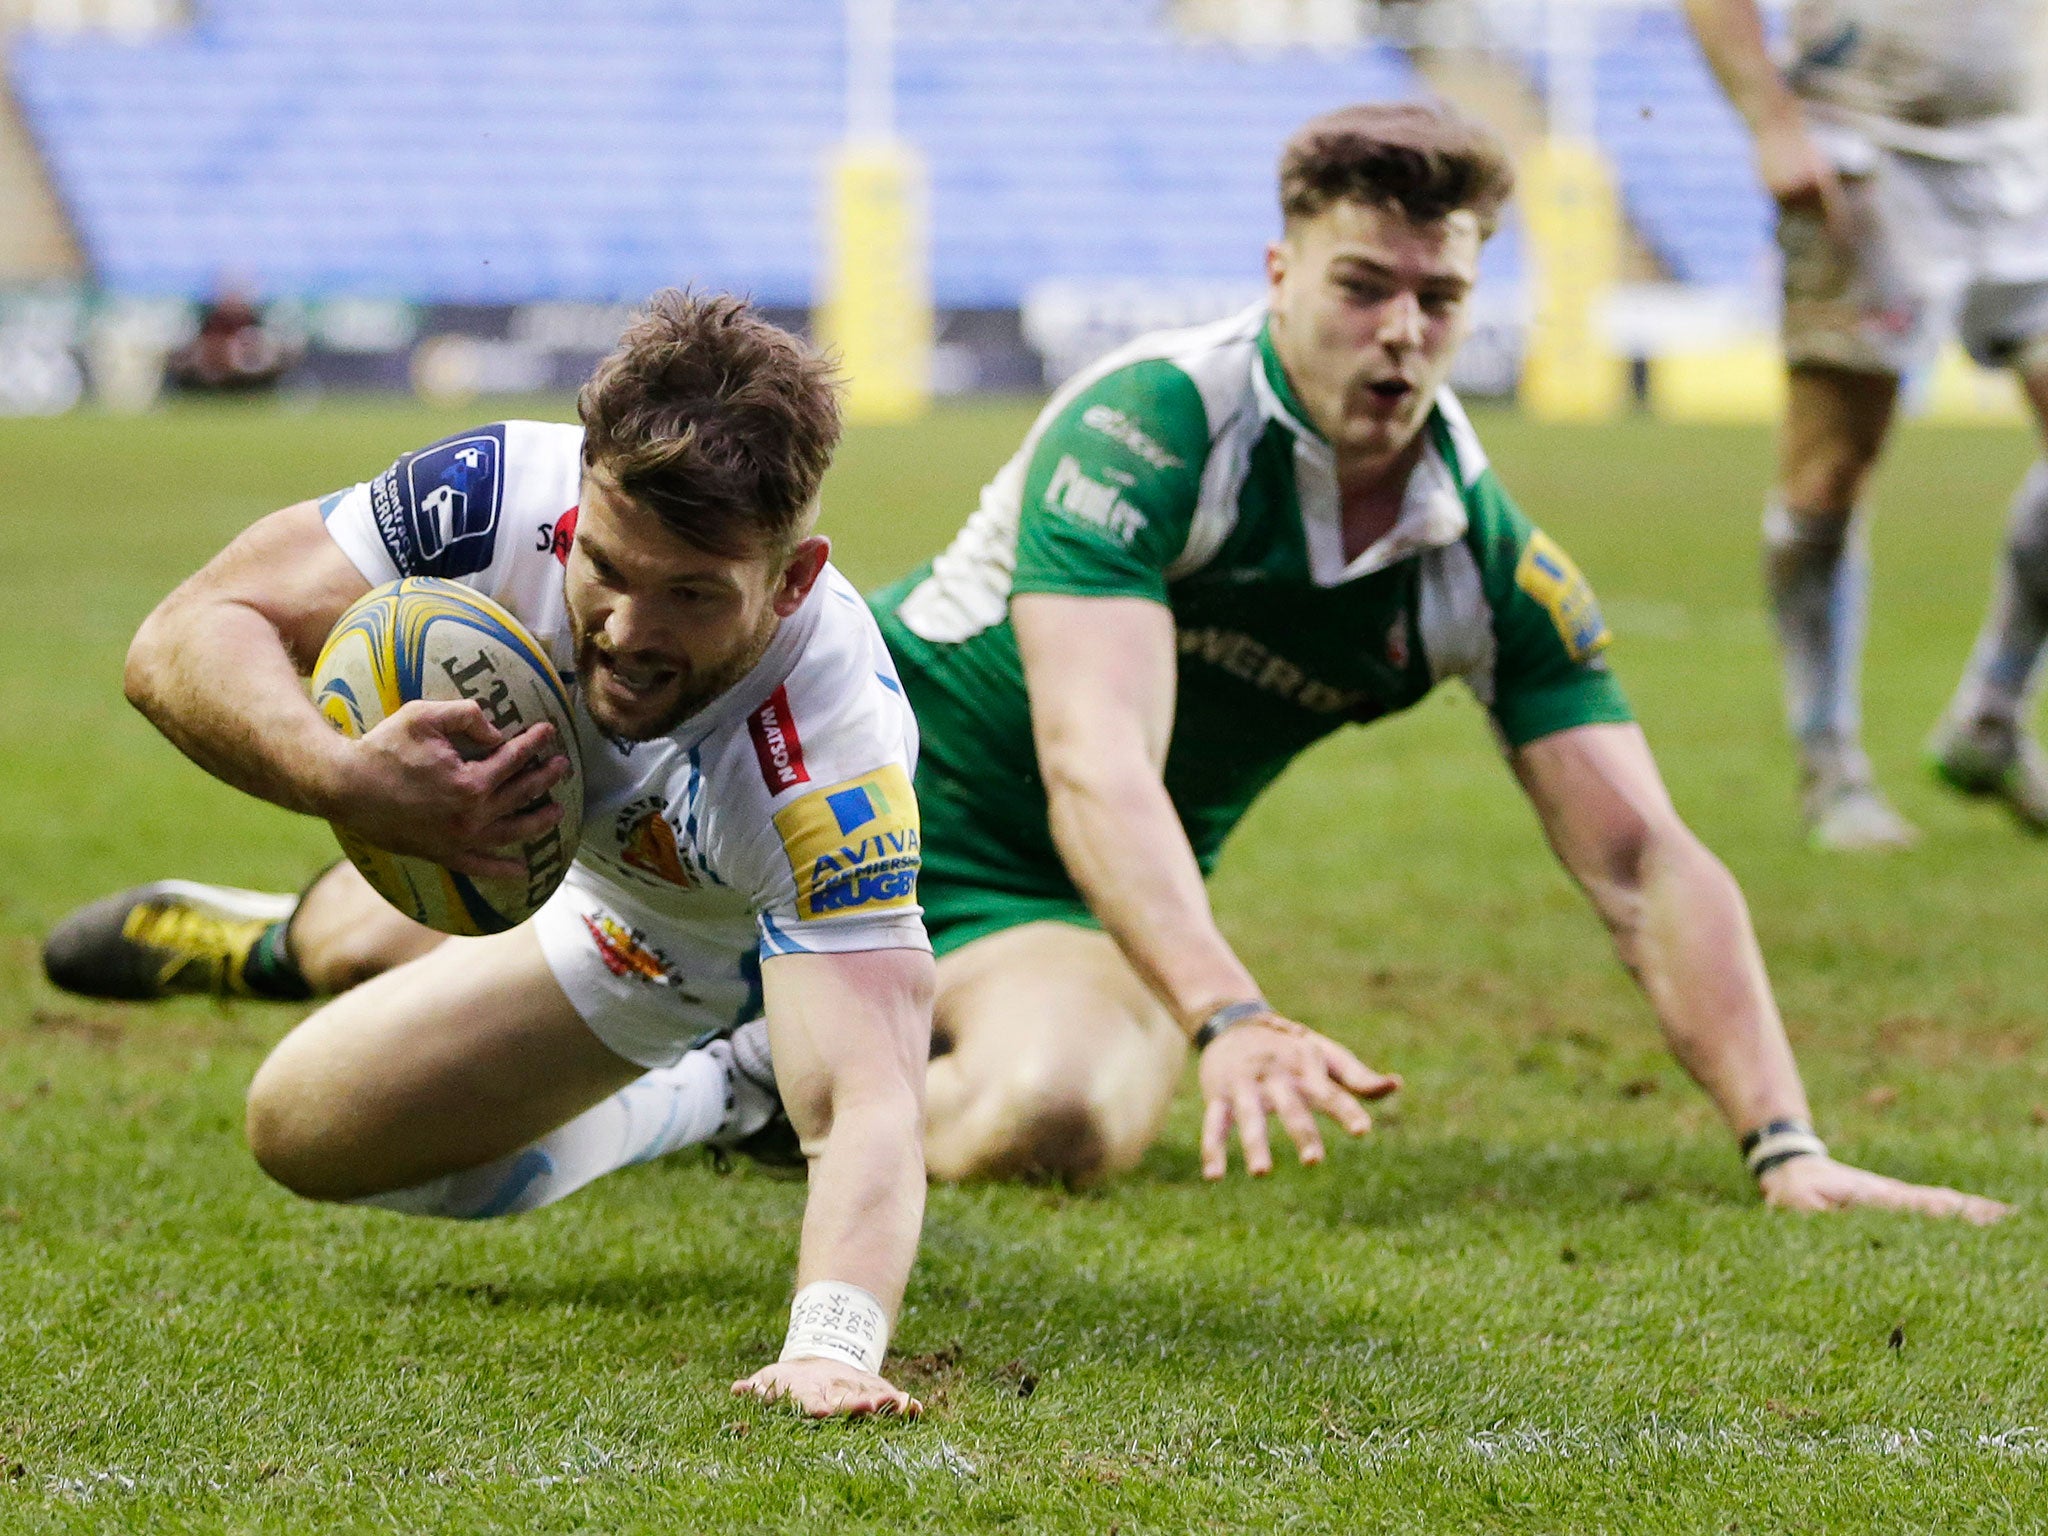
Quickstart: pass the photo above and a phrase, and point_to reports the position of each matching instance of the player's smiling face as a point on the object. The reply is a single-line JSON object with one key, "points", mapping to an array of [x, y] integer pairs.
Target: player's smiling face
{"points": [[1368, 308], [662, 627]]}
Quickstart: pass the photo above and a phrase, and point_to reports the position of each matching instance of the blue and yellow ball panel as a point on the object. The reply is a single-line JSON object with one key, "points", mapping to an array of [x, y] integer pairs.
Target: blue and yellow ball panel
{"points": [[426, 638], [853, 847]]}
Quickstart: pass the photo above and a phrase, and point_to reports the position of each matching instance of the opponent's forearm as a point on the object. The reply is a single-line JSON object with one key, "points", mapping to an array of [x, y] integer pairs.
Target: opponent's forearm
{"points": [[1683, 930], [1124, 846], [216, 679], [1731, 35], [866, 1204]]}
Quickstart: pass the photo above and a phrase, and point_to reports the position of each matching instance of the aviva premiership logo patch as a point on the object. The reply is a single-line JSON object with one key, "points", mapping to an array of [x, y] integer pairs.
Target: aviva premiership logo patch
{"points": [[853, 847], [1547, 574]]}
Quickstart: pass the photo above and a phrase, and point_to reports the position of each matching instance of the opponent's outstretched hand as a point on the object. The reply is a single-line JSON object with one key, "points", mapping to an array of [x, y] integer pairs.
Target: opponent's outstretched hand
{"points": [[437, 780], [821, 1389], [1273, 1066], [1816, 1183]]}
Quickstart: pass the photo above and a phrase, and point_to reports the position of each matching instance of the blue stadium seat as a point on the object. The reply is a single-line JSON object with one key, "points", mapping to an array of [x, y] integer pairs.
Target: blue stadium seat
{"points": [[1681, 155], [495, 150]]}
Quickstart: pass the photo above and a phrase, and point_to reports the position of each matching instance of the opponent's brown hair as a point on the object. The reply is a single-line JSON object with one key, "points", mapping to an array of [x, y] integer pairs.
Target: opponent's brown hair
{"points": [[1424, 158], [716, 421]]}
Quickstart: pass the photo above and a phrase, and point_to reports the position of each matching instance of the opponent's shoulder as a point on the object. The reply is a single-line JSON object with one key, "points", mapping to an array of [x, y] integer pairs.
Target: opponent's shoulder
{"points": [[1165, 397], [1114, 482]]}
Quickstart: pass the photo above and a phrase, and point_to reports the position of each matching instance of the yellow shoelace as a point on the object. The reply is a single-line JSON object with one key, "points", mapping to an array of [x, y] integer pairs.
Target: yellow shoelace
{"points": [[191, 937]]}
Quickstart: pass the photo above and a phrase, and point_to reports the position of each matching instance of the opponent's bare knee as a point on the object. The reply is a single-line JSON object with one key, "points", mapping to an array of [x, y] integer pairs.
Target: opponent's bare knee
{"points": [[1054, 1137], [1044, 1123]]}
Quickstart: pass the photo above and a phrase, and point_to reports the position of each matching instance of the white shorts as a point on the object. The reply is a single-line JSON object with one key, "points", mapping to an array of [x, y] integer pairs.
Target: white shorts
{"points": [[646, 984], [1942, 248]]}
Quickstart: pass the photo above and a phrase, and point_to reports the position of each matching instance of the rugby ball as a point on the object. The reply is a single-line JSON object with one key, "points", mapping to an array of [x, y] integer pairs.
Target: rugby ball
{"points": [[423, 638]]}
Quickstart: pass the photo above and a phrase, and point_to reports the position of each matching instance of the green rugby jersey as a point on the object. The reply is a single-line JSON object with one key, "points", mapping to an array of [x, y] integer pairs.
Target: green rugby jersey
{"points": [[1181, 469]]}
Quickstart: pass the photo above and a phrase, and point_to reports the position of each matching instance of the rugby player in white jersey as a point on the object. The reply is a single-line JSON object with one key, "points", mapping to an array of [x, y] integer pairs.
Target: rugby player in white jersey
{"points": [[738, 717], [1906, 144]]}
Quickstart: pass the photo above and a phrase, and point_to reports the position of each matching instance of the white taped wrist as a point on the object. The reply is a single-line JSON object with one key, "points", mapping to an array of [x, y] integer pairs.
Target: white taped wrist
{"points": [[1772, 1146], [837, 1321]]}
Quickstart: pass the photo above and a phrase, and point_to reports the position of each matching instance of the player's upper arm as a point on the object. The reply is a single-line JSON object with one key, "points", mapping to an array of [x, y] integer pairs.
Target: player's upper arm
{"points": [[816, 820], [286, 568], [1101, 675], [1108, 503]]}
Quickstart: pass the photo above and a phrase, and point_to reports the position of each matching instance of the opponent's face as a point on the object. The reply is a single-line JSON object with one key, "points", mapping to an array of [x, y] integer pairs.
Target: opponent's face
{"points": [[1368, 307], [662, 627]]}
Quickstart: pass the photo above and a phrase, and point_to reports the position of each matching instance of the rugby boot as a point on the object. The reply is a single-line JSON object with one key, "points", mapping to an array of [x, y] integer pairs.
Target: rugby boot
{"points": [[161, 940], [756, 1125], [1845, 810], [1993, 758]]}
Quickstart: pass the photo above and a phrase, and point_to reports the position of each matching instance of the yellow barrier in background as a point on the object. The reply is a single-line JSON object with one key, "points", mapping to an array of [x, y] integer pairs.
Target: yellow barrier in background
{"points": [[1573, 219], [876, 311], [1744, 381]]}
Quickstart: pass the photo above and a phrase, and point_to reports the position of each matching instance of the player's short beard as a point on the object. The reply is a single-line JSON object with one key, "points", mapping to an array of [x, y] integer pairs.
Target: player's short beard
{"points": [[695, 689]]}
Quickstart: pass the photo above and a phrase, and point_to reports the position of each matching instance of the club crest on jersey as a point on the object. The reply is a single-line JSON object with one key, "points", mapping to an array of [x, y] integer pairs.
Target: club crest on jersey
{"points": [[1547, 574], [626, 952], [777, 747], [647, 842], [437, 509], [853, 847]]}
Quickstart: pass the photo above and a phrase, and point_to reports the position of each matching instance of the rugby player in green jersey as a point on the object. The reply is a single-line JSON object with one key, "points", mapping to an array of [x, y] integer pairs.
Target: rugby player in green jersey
{"points": [[1214, 548]]}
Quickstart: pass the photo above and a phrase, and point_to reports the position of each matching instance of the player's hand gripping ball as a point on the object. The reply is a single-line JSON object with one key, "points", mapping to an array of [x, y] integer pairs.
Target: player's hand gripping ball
{"points": [[422, 638]]}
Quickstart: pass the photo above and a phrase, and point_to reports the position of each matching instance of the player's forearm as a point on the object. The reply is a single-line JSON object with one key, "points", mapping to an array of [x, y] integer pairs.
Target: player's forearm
{"points": [[1683, 929], [1731, 35], [216, 679], [1126, 851], [867, 1190]]}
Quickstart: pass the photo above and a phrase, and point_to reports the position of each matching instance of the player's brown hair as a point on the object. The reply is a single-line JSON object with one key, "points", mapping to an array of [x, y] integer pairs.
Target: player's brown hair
{"points": [[1424, 158], [716, 421]]}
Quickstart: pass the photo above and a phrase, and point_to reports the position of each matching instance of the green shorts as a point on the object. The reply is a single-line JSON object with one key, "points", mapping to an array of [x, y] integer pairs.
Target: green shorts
{"points": [[956, 914]]}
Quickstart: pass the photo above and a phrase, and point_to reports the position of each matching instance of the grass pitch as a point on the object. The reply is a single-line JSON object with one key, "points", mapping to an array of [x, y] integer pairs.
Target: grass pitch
{"points": [[1540, 1297]]}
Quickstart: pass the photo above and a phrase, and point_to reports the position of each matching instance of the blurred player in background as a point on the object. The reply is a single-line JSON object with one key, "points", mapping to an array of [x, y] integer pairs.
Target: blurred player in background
{"points": [[1216, 547], [737, 716], [1907, 148]]}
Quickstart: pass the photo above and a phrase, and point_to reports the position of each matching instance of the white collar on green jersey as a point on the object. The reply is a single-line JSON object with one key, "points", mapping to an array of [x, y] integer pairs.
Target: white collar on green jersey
{"points": [[1432, 508]]}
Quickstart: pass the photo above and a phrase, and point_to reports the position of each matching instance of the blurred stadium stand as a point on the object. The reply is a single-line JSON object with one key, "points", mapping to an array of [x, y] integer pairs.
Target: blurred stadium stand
{"points": [[396, 171], [497, 151], [1680, 154]]}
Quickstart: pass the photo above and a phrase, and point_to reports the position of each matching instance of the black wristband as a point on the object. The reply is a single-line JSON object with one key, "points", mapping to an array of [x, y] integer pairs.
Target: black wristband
{"points": [[1228, 1016], [1773, 1145]]}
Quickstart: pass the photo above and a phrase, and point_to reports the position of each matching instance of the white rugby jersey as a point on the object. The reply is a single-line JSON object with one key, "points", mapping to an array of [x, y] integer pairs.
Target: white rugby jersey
{"points": [[1954, 79], [780, 819]]}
